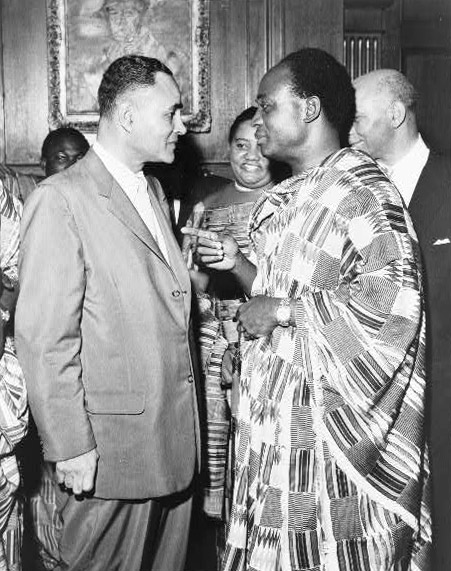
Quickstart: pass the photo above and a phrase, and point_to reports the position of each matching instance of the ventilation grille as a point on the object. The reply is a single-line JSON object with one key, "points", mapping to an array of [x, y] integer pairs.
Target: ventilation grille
{"points": [[361, 53]]}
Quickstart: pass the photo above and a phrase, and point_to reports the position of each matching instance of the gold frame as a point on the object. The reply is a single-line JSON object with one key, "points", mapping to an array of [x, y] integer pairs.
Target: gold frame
{"points": [[199, 117]]}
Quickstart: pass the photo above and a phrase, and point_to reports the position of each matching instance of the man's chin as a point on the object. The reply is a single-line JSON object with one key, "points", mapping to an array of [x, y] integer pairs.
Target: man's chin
{"points": [[359, 146], [265, 148], [168, 158]]}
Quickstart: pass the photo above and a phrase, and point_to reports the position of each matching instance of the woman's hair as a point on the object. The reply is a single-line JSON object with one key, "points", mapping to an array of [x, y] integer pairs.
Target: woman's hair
{"points": [[244, 116]]}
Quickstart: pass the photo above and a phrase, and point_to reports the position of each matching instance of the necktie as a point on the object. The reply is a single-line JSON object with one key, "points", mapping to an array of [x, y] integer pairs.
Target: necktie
{"points": [[147, 213]]}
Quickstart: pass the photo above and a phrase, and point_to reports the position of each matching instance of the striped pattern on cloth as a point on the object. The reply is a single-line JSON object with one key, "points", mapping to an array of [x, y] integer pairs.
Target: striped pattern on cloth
{"points": [[216, 332], [13, 398], [331, 466]]}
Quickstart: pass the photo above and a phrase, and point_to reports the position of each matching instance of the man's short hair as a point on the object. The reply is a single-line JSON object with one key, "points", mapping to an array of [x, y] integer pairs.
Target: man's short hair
{"points": [[246, 115], [64, 133], [316, 72], [398, 86], [125, 74]]}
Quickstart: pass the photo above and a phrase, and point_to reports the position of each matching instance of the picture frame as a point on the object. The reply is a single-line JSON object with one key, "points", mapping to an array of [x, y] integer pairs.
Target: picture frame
{"points": [[85, 36]]}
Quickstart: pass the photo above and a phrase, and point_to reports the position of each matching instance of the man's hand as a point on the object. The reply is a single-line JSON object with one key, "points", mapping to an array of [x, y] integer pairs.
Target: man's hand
{"points": [[227, 367], [78, 473], [257, 317], [216, 251]]}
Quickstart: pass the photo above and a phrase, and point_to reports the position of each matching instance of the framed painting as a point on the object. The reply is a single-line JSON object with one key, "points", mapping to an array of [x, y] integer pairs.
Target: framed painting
{"points": [[85, 36]]}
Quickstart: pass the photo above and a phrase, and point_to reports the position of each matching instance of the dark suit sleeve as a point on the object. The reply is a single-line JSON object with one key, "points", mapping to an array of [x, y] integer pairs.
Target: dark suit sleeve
{"points": [[48, 323]]}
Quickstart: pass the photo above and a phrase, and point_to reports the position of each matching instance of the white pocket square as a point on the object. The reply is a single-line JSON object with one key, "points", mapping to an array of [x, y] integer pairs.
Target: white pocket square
{"points": [[441, 241]]}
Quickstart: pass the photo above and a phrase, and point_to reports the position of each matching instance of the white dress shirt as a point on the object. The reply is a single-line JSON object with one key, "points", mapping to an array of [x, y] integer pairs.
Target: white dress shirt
{"points": [[135, 187], [406, 172]]}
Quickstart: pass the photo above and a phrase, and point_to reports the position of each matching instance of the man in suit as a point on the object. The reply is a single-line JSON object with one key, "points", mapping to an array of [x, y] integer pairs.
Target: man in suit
{"points": [[103, 333], [386, 128]]}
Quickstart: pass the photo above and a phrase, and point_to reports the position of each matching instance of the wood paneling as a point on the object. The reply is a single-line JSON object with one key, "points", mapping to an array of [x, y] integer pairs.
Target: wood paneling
{"points": [[431, 74], [384, 20], [391, 45], [2, 101], [25, 79], [314, 24], [426, 60]]}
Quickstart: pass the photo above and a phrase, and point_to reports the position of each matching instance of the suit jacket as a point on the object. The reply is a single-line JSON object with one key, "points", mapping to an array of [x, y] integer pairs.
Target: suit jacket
{"points": [[430, 209], [103, 334]]}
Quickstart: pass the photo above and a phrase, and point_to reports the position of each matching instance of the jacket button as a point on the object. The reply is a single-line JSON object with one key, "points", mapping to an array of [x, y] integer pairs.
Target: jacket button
{"points": [[176, 293], [190, 378]]}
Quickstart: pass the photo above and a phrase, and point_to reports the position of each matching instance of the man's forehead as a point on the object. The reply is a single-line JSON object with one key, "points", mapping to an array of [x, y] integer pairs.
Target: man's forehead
{"points": [[65, 142], [167, 84], [369, 95], [274, 83], [165, 88]]}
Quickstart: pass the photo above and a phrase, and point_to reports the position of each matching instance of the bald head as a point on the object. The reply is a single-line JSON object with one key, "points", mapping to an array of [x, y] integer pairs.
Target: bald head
{"points": [[385, 122]]}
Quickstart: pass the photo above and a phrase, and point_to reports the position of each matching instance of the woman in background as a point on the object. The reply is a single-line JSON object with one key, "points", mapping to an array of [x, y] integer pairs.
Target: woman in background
{"points": [[219, 294]]}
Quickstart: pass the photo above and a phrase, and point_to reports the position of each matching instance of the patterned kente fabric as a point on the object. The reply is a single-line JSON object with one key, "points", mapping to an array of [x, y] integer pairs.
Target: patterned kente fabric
{"points": [[13, 397], [331, 466], [217, 331]]}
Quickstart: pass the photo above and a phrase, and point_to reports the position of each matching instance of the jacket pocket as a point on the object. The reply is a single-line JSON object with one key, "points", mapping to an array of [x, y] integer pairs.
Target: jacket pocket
{"points": [[99, 402]]}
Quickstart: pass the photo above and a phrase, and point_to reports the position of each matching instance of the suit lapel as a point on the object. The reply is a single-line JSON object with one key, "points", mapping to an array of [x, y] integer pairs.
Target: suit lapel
{"points": [[121, 207], [426, 204], [175, 257], [118, 202]]}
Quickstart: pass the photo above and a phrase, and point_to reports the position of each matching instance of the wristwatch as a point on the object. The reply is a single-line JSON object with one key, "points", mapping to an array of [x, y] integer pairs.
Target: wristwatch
{"points": [[283, 312]]}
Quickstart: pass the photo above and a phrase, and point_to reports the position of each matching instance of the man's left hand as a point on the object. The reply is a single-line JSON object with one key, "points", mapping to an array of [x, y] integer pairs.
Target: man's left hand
{"points": [[78, 473], [257, 317]]}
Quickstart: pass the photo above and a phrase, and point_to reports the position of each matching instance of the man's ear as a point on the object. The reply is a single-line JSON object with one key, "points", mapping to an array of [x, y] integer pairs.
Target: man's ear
{"points": [[125, 115], [397, 114], [312, 108], [42, 163]]}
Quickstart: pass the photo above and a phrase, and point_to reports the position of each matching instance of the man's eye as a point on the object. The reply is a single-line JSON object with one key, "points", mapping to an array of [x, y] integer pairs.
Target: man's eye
{"points": [[61, 158], [240, 146]]}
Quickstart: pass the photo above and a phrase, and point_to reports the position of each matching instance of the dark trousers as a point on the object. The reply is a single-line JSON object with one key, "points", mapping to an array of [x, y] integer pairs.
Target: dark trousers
{"points": [[118, 535]]}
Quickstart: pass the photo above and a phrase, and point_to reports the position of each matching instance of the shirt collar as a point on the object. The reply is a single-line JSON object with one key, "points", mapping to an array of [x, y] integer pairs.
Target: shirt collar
{"points": [[417, 155], [127, 179], [406, 172]]}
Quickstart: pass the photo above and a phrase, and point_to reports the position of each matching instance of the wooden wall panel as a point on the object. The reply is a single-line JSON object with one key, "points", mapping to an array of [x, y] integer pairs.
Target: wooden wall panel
{"points": [[431, 75], [316, 24], [235, 65], [257, 47], [381, 19], [25, 79], [2, 100], [426, 60]]}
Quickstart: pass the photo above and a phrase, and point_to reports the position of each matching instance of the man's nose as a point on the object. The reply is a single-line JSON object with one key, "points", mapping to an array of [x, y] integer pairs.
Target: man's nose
{"points": [[179, 125], [252, 153], [257, 118], [353, 138]]}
